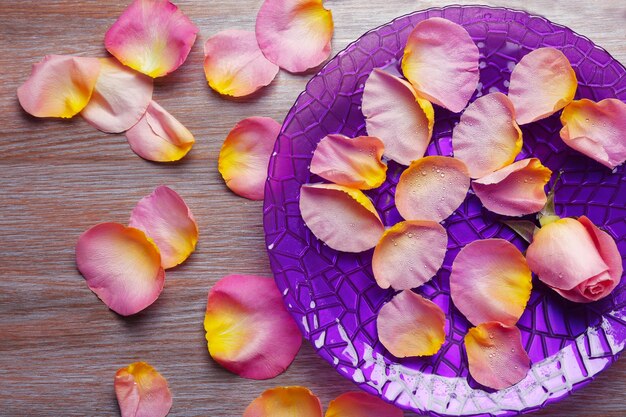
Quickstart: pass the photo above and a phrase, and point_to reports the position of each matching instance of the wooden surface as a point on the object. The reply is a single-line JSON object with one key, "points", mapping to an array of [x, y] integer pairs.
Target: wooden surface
{"points": [[59, 345]]}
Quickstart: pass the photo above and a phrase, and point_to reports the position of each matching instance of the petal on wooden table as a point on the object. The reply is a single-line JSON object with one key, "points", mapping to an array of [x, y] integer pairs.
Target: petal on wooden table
{"points": [[248, 330], [234, 65], [59, 86], [294, 34], [121, 265], [151, 36], [142, 392], [167, 220], [120, 97]]}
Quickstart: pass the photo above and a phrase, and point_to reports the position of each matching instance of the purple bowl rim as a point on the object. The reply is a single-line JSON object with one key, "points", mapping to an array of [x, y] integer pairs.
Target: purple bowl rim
{"points": [[286, 124]]}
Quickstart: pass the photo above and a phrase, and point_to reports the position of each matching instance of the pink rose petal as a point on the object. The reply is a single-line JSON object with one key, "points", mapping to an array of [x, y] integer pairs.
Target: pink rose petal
{"points": [[361, 404], [285, 402], [142, 392], [245, 155], [343, 218], [441, 62], [234, 65], [597, 130], [294, 34], [395, 114], [409, 254], [495, 355], [515, 190], [121, 265], [355, 163], [59, 86], [487, 137], [120, 98], [151, 36], [410, 325], [248, 330], [542, 83], [432, 188], [490, 281], [159, 137], [166, 219]]}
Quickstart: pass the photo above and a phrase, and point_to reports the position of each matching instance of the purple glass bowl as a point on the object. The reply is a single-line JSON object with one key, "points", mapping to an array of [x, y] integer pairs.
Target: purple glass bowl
{"points": [[333, 295]]}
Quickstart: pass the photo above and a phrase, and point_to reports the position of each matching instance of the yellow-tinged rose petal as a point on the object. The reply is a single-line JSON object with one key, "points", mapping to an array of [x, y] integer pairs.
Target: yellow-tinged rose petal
{"points": [[490, 281], [166, 219], [120, 98], [410, 325], [285, 402], [248, 330], [159, 137], [542, 83], [361, 404], [409, 254], [441, 62], [234, 65], [515, 190], [597, 130], [245, 155], [487, 137], [343, 218], [142, 392], [59, 86], [495, 355], [121, 265], [395, 114], [355, 163], [151, 36], [294, 34], [432, 188]]}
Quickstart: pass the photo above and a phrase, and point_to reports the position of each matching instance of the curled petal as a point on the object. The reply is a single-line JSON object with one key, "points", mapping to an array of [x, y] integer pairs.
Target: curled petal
{"points": [[495, 355], [166, 219], [234, 65], [361, 404], [490, 281], [248, 330], [355, 163], [409, 254], [159, 137], [151, 36], [441, 62], [343, 218], [432, 188], [120, 98], [121, 265], [59, 86], [487, 137], [245, 155], [542, 83], [515, 190], [394, 113], [410, 325], [285, 402], [142, 392], [294, 34], [597, 130]]}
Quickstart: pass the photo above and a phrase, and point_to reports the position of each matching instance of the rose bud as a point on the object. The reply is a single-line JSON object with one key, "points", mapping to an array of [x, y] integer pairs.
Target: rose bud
{"points": [[576, 259]]}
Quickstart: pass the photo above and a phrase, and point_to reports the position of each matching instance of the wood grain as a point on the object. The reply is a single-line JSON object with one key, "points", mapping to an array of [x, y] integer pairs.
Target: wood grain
{"points": [[60, 346]]}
